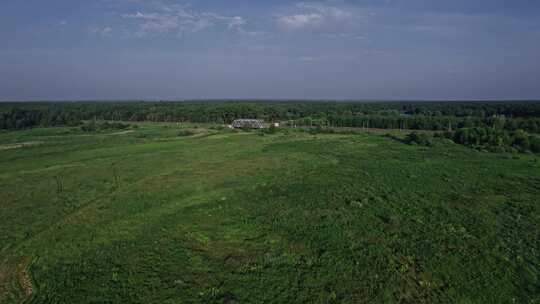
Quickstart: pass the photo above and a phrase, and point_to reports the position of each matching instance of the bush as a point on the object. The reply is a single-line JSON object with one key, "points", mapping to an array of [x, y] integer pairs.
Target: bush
{"points": [[94, 126], [186, 133], [270, 130], [496, 140], [217, 127], [535, 144], [89, 127], [498, 149], [422, 139], [521, 140]]}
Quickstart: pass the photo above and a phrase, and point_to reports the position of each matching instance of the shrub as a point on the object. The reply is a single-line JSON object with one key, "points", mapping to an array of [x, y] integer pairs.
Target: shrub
{"points": [[94, 126], [521, 140], [217, 127], [535, 144], [186, 133], [422, 139], [496, 140], [270, 130], [89, 127]]}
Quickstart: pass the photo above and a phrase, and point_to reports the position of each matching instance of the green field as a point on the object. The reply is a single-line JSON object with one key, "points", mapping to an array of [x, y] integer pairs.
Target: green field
{"points": [[150, 215]]}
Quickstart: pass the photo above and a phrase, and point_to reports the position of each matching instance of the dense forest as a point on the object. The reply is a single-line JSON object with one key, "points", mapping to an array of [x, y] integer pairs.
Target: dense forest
{"points": [[443, 116]]}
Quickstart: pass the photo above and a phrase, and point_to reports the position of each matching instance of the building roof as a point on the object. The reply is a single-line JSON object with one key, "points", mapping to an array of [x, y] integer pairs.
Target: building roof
{"points": [[253, 123]]}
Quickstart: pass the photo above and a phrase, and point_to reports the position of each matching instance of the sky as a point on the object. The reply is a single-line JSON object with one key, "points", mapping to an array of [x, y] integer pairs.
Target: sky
{"points": [[273, 49]]}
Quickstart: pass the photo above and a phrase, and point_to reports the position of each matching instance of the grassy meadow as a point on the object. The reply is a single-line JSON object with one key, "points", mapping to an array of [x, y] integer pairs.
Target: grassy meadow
{"points": [[170, 213]]}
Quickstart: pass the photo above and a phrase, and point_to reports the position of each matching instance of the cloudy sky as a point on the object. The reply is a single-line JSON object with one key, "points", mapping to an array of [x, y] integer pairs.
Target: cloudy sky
{"points": [[336, 49]]}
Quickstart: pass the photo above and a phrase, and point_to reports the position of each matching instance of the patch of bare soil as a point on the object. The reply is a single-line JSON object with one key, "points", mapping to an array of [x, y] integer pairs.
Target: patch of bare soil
{"points": [[24, 278], [122, 132], [11, 274], [19, 145]]}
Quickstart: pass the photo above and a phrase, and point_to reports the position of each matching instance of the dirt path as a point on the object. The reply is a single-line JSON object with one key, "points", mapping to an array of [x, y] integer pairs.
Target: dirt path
{"points": [[122, 132], [19, 145]]}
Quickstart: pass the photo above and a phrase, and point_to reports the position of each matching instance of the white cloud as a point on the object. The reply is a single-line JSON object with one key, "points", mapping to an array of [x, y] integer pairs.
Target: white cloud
{"points": [[236, 22], [101, 31], [298, 21], [327, 11], [306, 15], [345, 36], [181, 20]]}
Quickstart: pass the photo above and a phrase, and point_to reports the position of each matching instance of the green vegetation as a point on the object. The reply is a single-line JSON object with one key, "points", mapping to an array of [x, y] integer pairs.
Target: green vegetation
{"points": [[495, 140], [155, 216], [186, 133], [423, 139], [94, 126], [436, 116]]}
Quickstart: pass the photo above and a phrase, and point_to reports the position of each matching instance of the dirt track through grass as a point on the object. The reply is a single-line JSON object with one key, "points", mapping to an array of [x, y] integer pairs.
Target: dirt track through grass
{"points": [[19, 145]]}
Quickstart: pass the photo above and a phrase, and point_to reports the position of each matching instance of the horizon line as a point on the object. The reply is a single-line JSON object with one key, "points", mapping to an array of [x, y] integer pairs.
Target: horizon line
{"points": [[360, 100]]}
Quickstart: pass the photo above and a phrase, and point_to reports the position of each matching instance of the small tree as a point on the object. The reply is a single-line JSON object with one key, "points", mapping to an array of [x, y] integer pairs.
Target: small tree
{"points": [[521, 140], [423, 139], [535, 144]]}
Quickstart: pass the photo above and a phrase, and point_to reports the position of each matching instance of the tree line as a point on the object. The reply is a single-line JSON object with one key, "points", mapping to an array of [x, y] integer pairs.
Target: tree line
{"points": [[509, 116], [420, 122]]}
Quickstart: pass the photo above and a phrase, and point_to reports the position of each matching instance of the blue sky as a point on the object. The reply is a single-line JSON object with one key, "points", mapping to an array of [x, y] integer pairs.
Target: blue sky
{"points": [[336, 49]]}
